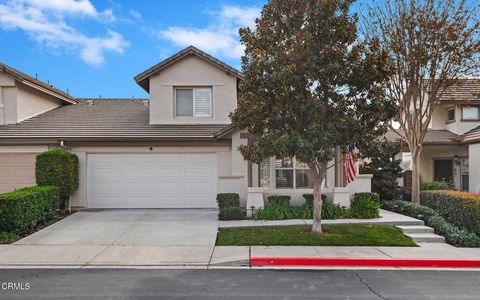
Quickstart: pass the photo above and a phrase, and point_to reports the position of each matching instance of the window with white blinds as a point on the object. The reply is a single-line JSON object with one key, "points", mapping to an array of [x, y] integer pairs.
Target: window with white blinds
{"points": [[193, 102], [202, 104]]}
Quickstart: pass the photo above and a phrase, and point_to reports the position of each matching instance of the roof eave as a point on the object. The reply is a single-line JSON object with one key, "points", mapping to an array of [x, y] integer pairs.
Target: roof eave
{"points": [[30, 82]]}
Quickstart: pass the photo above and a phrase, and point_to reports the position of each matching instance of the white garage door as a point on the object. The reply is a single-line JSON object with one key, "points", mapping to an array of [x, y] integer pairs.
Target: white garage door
{"points": [[152, 180]]}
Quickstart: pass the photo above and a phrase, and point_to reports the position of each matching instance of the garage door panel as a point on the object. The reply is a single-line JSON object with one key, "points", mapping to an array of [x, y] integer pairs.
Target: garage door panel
{"points": [[17, 170], [197, 201], [5, 172], [137, 172], [202, 174], [24, 173], [169, 160], [200, 160], [169, 172], [99, 173], [23, 159], [171, 186], [180, 180]]}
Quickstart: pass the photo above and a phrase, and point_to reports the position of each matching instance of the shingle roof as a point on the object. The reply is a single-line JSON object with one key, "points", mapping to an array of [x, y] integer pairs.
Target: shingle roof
{"points": [[142, 78], [472, 136], [105, 119], [433, 137], [467, 90], [24, 78]]}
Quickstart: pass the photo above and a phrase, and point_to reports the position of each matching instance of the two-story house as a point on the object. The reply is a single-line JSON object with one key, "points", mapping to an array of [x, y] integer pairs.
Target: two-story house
{"points": [[452, 145], [172, 150]]}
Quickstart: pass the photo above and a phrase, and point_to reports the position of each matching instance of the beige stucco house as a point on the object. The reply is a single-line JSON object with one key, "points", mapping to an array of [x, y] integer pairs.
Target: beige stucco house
{"points": [[172, 150], [452, 144]]}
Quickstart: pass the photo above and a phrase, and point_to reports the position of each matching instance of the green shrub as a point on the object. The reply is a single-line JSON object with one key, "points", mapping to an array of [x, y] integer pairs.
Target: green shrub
{"points": [[332, 211], [364, 206], [453, 234], [279, 198], [8, 237], [278, 209], [309, 198], [437, 185], [23, 209], [374, 196], [58, 168], [281, 210], [228, 200], [459, 208], [231, 213]]}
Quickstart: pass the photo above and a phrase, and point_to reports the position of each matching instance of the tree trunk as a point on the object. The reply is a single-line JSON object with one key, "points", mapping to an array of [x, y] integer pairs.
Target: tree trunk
{"points": [[317, 178], [416, 175]]}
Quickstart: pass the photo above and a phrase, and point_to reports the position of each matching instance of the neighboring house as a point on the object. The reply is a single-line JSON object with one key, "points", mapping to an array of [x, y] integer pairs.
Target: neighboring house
{"points": [[173, 150], [452, 145]]}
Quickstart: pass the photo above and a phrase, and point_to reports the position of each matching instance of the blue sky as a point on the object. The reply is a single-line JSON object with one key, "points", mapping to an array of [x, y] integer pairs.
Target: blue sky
{"points": [[96, 47]]}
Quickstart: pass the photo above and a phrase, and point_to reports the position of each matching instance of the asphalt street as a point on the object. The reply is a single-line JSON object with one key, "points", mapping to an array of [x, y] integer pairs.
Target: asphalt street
{"points": [[237, 284]]}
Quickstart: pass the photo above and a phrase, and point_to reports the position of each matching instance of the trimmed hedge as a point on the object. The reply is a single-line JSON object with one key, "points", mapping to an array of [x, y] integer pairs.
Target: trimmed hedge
{"points": [[436, 185], [58, 168], [459, 208], [453, 234], [228, 200], [231, 213], [309, 198], [23, 209]]}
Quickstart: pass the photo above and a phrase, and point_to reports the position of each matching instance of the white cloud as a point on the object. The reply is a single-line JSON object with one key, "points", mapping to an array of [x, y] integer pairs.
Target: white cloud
{"points": [[45, 22], [135, 14], [221, 36]]}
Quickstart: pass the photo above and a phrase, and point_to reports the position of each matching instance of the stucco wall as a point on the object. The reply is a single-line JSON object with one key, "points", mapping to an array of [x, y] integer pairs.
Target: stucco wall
{"points": [[432, 152], [31, 102], [190, 72], [474, 168]]}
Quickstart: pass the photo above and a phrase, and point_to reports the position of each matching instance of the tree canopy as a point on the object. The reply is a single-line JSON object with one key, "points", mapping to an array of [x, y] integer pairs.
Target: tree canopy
{"points": [[310, 85]]}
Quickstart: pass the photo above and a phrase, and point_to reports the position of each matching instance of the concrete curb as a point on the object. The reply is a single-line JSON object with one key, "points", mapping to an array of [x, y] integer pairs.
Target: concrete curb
{"points": [[362, 262]]}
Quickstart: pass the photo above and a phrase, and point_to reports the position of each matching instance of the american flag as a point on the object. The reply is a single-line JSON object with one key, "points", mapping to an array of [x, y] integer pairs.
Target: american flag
{"points": [[349, 167]]}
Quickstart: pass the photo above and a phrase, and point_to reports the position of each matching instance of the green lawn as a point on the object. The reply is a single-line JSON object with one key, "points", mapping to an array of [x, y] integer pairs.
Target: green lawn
{"points": [[334, 235]]}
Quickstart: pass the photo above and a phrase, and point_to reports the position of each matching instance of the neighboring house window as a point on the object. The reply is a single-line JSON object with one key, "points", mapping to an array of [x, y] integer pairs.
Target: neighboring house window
{"points": [[193, 102], [451, 114], [292, 174], [470, 113]]}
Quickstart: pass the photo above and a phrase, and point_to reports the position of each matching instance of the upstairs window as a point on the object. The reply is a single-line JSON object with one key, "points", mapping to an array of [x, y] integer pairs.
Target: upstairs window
{"points": [[451, 114], [470, 113], [193, 102]]}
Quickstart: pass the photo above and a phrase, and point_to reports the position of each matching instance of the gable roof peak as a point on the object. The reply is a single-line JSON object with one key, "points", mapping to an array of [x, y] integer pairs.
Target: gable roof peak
{"points": [[142, 78]]}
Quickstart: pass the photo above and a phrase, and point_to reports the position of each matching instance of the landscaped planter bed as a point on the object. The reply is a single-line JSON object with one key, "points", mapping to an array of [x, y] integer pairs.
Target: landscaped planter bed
{"points": [[299, 235]]}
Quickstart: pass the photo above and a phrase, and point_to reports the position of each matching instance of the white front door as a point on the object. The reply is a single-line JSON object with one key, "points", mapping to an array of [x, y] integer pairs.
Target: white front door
{"points": [[153, 180]]}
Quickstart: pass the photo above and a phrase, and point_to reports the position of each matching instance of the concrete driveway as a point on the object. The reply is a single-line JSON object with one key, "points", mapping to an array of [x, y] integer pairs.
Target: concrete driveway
{"points": [[120, 237]]}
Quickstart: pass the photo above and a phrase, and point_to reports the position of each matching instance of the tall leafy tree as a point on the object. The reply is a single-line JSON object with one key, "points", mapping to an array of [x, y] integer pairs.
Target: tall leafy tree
{"points": [[432, 43], [310, 86]]}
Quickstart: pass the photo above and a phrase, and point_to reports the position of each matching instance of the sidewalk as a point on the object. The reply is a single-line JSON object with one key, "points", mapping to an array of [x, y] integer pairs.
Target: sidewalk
{"points": [[386, 218], [241, 255]]}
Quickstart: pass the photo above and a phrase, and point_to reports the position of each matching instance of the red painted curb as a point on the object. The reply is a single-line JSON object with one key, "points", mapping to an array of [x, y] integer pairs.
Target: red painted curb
{"points": [[363, 262]]}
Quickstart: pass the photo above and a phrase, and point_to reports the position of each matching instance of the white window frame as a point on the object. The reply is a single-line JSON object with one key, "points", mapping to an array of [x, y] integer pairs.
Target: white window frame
{"points": [[454, 114], [193, 101], [471, 119], [294, 177]]}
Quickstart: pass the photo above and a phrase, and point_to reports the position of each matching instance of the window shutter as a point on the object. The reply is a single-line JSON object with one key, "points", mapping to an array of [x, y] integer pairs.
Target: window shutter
{"points": [[203, 102]]}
